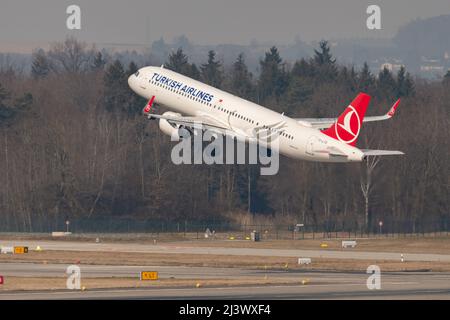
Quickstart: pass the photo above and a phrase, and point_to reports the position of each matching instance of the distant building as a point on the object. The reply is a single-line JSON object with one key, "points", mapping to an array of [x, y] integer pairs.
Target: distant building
{"points": [[393, 67], [432, 66]]}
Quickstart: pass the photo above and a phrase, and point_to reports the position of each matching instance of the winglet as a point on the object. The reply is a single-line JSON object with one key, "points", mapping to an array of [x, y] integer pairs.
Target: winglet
{"points": [[393, 109]]}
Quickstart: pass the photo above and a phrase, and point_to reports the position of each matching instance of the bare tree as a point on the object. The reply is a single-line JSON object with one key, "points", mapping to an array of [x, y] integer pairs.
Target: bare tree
{"points": [[367, 187], [71, 56]]}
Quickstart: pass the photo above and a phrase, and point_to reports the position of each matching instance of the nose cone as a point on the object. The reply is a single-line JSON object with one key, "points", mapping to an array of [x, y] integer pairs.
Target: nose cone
{"points": [[132, 81]]}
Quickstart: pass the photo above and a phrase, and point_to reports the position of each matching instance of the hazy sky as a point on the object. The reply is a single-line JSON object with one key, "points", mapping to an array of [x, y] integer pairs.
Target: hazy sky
{"points": [[25, 23]]}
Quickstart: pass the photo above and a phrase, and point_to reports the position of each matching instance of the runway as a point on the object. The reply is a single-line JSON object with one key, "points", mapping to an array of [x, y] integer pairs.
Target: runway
{"points": [[321, 285], [186, 249], [107, 271], [394, 286]]}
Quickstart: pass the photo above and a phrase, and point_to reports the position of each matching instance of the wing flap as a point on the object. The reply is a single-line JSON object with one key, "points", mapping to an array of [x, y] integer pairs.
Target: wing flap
{"points": [[332, 151]]}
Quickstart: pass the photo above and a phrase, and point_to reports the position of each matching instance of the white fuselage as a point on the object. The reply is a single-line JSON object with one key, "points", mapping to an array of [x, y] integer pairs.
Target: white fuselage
{"points": [[193, 98]]}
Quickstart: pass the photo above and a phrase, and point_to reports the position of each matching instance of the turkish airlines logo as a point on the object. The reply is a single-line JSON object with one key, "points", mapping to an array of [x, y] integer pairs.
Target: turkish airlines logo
{"points": [[348, 127]]}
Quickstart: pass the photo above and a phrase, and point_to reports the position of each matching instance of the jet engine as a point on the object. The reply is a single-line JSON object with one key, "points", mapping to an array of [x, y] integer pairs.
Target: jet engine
{"points": [[171, 129]]}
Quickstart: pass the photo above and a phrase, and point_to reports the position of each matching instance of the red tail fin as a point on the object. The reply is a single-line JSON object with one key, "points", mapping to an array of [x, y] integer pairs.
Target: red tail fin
{"points": [[347, 127]]}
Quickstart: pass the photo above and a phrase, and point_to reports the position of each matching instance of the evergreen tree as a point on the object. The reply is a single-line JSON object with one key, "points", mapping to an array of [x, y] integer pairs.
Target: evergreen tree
{"points": [[299, 91], [323, 57], [5, 111], [178, 62], [273, 77], [9, 111], [99, 62], [302, 69], [194, 73], [405, 84], [300, 86], [446, 79], [324, 62], [409, 88], [348, 79], [4, 95], [354, 79], [366, 81], [132, 68], [241, 78], [116, 89], [401, 79], [40, 67], [386, 85], [211, 71]]}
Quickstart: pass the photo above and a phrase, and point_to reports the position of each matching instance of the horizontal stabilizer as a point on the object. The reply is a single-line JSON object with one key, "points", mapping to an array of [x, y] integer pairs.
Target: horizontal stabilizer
{"points": [[382, 153], [324, 123]]}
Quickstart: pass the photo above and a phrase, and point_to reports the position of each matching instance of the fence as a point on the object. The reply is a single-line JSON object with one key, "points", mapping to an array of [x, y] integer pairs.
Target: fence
{"points": [[224, 229]]}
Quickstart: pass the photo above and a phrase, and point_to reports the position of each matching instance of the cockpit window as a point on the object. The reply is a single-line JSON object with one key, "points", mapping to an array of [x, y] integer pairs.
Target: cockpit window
{"points": [[137, 74]]}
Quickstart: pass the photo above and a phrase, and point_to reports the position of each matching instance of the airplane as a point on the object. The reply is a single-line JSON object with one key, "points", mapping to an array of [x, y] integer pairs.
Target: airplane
{"points": [[198, 106]]}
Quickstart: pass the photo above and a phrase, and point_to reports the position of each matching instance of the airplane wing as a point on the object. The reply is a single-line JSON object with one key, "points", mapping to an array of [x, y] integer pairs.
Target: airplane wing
{"points": [[205, 122], [324, 123]]}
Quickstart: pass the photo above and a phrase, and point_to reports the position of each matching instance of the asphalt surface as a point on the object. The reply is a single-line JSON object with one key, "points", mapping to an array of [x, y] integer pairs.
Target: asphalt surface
{"points": [[186, 249], [321, 285], [108, 271]]}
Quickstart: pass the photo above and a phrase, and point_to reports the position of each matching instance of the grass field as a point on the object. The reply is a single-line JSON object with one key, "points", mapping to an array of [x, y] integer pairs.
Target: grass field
{"points": [[439, 245], [253, 262], [409, 244], [54, 283]]}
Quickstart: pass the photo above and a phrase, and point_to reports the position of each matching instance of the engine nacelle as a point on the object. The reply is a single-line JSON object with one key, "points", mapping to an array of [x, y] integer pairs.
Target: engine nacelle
{"points": [[167, 128]]}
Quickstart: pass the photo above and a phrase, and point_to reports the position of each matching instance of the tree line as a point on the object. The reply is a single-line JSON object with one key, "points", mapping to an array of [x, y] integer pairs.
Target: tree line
{"points": [[73, 144]]}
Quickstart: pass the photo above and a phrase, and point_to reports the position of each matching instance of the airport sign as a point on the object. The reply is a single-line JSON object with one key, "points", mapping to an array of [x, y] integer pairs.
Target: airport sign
{"points": [[149, 275], [7, 250], [20, 250]]}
